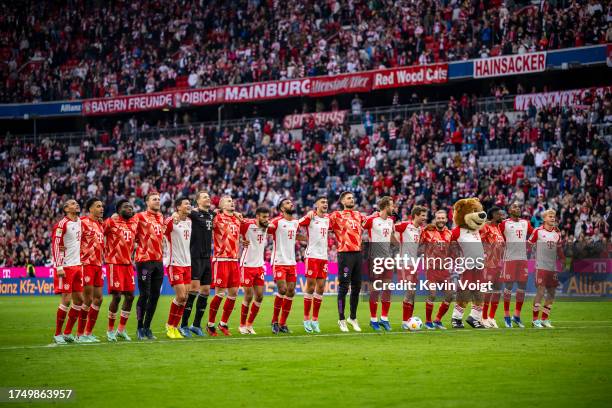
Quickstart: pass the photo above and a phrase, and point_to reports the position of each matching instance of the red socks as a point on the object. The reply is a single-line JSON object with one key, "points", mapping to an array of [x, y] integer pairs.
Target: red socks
{"points": [[111, 320], [62, 311], [174, 316], [212, 309], [442, 310], [428, 311], [407, 310], [546, 312], [278, 305], [316, 305], [386, 305], [507, 297], [244, 311], [374, 305], [73, 316], [485, 307], [286, 309], [536, 311], [123, 320], [494, 303], [254, 310], [307, 305], [92, 316], [228, 308], [82, 320], [520, 298]]}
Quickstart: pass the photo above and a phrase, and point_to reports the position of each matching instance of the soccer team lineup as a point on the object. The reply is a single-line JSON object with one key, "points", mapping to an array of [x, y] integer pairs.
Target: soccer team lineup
{"points": [[473, 260]]}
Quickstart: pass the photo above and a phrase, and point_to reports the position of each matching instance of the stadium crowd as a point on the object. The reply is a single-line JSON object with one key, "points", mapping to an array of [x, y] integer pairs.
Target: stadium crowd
{"points": [[412, 159], [101, 49]]}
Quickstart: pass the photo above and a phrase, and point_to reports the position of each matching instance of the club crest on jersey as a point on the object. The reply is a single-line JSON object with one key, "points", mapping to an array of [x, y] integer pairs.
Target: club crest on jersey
{"points": [[116, 284], [247, 281], [66, 286], [87, 279], [58, 232]]}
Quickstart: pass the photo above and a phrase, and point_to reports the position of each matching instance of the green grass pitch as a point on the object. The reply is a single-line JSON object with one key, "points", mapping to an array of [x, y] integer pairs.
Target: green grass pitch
{"points": [[570, 365]]}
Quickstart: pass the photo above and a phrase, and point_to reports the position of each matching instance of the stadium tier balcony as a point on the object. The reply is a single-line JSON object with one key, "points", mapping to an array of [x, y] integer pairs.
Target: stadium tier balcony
{"points": [[414, 153], [105, 49]]}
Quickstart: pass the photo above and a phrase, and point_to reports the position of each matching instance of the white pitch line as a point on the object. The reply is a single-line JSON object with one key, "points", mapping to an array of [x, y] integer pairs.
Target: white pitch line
{"points": [[299, 336]]}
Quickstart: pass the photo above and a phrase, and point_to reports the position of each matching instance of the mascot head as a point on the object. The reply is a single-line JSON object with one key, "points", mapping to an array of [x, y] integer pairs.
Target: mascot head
{"points": [[468, 213]]}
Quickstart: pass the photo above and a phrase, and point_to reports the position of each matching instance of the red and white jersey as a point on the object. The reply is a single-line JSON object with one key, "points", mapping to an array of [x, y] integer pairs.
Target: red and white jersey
{"points": [[120, 239], [283, 237], [470, 243], [409, 237], [66, 243], [226, 237], [547, 247], [253, 254], [493, 243], [149, 236], [379, 229], [347, 226], [177, 240], [436, 243], [316, 229], [92, 241], [515, 233]]}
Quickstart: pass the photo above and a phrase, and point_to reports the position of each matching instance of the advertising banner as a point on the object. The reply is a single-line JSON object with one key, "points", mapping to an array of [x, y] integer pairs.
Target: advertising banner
{"points": [[587, 277], [510, 65], [568, 98], [320, 118], [410, 76]]}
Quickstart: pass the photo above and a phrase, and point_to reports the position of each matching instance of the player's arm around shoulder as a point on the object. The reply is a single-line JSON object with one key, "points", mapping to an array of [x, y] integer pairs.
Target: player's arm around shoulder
{"points": [[169, 225], [273, 225], [367, 221], [57, 246], [455, 234], [305, 220], [533, 237]]}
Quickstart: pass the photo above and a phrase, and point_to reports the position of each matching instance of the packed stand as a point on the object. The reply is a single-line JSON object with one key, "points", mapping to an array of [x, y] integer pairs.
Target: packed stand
{"points": [[53, 51], [260, 163]]}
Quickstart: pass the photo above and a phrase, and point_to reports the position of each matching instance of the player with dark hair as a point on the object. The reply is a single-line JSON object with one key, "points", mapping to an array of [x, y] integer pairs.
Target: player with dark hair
{"points": [[68, 276], [201, 270], [177, 238], [284, 231], [317, 226], [149, 266], [92, 248], [493, 243], [515, 231], [226, 272], [409, 237], [120, 233], [346, 224], [252, 271], [381, 232]]}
